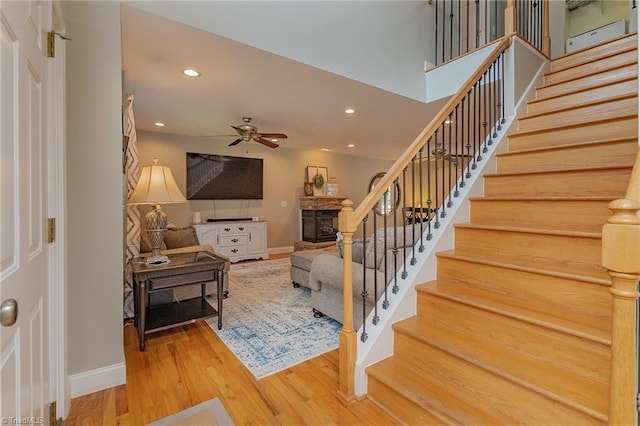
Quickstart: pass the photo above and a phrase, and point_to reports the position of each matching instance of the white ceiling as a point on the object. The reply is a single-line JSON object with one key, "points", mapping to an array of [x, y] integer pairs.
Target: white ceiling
{"points": [[281, 95]]}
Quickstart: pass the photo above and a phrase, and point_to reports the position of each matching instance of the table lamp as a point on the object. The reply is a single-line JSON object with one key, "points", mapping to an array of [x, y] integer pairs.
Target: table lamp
{"points": [[156, 186]]}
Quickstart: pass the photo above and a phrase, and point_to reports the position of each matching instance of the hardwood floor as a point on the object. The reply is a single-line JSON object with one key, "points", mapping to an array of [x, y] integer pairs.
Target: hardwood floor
{"points": [[188, 365]]}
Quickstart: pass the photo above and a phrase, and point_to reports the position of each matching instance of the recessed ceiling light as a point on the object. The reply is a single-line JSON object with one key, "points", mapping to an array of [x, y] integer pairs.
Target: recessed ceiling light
{"points": [[191, 73], [325, 149], [159, 124], [349, 111], [351, 145], [448, 121]]}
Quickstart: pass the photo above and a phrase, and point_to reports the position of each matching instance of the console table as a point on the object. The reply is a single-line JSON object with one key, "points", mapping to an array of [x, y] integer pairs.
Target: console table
{"points": [[183, 269], [236, 239]]}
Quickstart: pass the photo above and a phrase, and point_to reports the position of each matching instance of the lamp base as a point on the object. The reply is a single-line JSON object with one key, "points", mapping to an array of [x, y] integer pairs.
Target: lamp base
{"points": [[157, 260]]}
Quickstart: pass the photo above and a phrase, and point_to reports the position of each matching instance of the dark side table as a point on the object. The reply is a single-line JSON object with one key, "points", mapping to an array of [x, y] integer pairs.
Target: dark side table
{"points": [[198, 267]]}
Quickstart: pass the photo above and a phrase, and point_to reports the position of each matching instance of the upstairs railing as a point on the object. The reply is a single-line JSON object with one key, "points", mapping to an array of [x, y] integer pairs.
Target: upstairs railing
{"points": [[398, 215], [462, 26]]}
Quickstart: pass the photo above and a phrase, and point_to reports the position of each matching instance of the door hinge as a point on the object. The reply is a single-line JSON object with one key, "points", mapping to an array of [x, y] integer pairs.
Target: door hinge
{"points": [[51, 230], [53, 414], [51, 42]]}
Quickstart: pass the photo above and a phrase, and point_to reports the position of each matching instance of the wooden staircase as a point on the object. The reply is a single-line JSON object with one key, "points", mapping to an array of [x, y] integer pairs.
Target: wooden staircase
{"points": [[517, 326]]}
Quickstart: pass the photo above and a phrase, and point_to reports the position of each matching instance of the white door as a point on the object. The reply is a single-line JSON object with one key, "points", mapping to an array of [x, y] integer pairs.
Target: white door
{"points": [[24, 358]]}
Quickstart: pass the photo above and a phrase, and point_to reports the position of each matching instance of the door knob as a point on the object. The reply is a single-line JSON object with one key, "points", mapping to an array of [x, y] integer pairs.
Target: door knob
{"points": [[8, 312]]}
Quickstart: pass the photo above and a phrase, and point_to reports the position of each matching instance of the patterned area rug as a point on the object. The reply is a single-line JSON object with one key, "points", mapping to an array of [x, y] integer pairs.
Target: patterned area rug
{"points": [[268, 324]]}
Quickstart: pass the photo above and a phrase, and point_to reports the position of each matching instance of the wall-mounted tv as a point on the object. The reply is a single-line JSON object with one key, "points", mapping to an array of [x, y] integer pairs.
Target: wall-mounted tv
{"points": [[221, 177]]}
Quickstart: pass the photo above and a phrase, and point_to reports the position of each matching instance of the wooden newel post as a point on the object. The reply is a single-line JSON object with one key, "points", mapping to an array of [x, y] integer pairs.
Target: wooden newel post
{"points": [[510, 18], [348, 337], [546, 39], [621, 256]]}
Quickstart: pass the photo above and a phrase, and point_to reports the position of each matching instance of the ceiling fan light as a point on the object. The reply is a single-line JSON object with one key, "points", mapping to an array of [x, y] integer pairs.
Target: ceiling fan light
{"points": [[349, 111]]}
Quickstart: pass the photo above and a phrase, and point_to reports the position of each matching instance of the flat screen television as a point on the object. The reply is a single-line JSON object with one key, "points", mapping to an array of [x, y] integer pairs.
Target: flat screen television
{"points": [[222, 177]]}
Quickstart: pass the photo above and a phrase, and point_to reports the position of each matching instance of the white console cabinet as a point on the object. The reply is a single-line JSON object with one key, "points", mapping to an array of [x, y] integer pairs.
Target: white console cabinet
{"points": [[238, 240]]}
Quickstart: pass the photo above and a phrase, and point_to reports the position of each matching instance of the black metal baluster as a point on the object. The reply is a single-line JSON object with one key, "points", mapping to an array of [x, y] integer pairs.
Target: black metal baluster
{"points": [[395, 287], [502, 83], [413, 209], [468, 35], [404, 228], [459, 29], [376, 317], [451, 16], [419, 215], [428, 199], [449, 185], [444, 29], [436, 179], [484, 112], [476, 139], [486, 21], [463, 140], [364, 336], [477, 23], [456, 144], [385, 220], [435, 4]]}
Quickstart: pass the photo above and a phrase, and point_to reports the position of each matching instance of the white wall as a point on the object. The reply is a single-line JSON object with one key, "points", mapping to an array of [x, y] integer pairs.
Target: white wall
{"points": [[94, 186], [284, 174], [381, 43]]}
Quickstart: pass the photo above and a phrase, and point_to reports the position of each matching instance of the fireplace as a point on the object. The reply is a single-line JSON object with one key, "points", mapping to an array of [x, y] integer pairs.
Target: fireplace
{"points": [[319, 225], [320, 218]]}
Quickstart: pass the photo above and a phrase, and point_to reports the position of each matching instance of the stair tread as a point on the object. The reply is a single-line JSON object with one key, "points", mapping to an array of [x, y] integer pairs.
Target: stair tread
{"points": [[413, 382], [585, 88], [580, 105], [618, 44], [533, 267], [533, 172], [518, 133], [546, 198], [565, 146], [547, 231], [595, 67], [434, 375], [546, 321], [558, 383], [596, 272]]}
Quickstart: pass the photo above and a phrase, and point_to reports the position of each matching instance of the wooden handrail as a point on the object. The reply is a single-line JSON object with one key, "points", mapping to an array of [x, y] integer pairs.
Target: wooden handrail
{"points": [[396, 169], [349, 219], [621, 257]]}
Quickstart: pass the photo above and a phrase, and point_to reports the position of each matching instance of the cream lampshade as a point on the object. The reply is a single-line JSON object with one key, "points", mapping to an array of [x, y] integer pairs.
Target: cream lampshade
{"points": [[156, 186]]}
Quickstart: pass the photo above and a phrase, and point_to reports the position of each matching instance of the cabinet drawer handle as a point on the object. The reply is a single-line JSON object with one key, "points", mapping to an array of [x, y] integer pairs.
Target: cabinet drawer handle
{"points": [[241, 228], [227, 229], [234, 250], [235, 240]]}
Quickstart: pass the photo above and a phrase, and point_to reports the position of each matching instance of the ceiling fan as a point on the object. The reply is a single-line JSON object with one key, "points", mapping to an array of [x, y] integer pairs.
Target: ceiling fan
{"points": [[248, 131]]}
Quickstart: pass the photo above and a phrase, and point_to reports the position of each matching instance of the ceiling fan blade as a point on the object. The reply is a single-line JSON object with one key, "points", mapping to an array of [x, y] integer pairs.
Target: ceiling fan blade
{"points": [[236, 128], [273, 135], [266, 142], [236, 142]]}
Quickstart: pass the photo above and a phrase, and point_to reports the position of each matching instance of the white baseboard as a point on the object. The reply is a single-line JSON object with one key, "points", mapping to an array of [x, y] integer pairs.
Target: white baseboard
{"points": [[280, 250], [98, 379]]}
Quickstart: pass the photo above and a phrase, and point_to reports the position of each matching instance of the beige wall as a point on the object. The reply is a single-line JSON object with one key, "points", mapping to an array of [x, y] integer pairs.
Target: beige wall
{"points": [[284, 174], [94, 186]]}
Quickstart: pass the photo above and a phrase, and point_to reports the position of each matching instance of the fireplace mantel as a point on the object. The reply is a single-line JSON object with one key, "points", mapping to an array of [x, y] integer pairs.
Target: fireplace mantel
{"points": [[321, 203]]}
